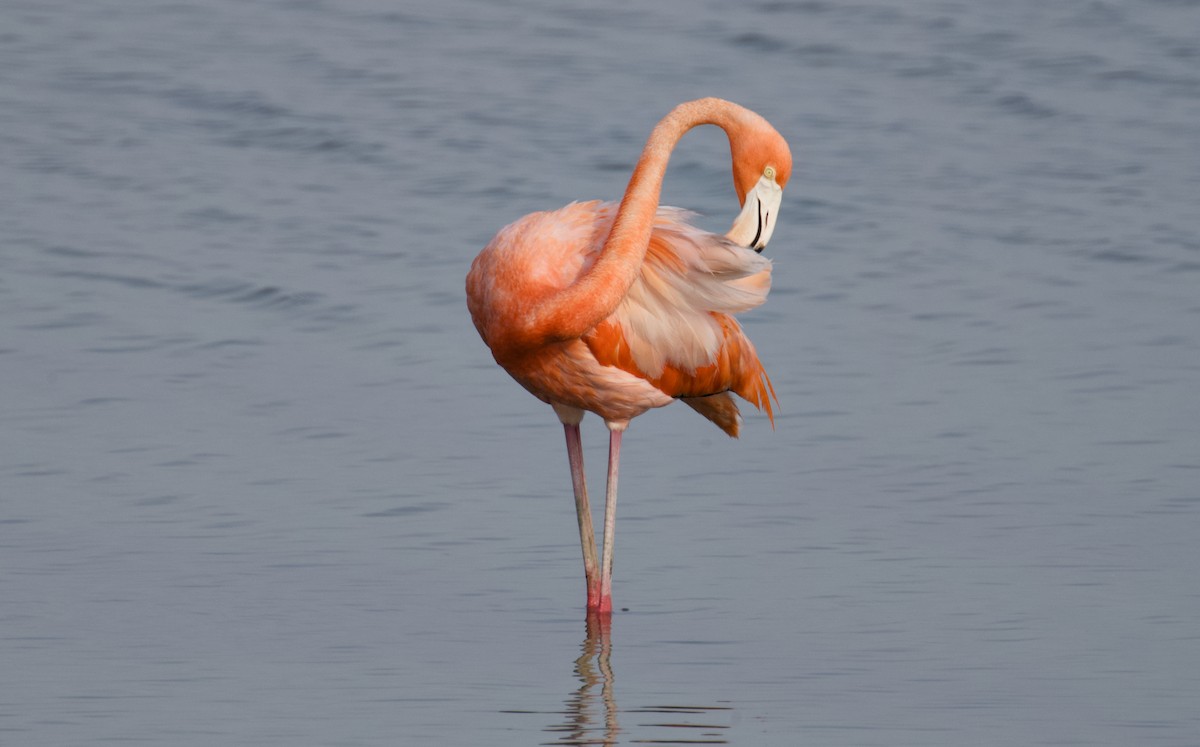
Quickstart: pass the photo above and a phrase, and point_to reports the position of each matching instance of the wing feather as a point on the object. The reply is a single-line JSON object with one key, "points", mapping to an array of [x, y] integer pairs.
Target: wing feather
{"points": [[675, 326], [688, 275]]}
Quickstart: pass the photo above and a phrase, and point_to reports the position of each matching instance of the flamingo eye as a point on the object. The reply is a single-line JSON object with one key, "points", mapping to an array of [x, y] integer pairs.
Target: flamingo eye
{"points": [[769, 172]]}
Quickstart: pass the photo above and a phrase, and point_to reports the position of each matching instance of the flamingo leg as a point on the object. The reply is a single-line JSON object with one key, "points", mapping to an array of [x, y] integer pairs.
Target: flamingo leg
{"points": [[610, 518], [587, 536]]}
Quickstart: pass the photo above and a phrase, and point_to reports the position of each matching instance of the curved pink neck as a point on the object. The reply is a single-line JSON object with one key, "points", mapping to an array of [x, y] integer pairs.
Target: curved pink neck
{"points": [[595, 296]]}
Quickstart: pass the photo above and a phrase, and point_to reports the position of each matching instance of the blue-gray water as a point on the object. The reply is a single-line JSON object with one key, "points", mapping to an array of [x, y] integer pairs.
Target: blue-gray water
{"points": [[261, 484]]}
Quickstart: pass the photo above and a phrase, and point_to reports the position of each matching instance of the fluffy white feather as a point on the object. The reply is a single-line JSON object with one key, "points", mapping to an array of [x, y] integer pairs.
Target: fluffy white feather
{"points": [[688, 273]]}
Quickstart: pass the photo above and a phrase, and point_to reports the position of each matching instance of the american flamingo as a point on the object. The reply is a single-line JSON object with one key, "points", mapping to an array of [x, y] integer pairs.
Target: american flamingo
{"points": [[617, 309]]}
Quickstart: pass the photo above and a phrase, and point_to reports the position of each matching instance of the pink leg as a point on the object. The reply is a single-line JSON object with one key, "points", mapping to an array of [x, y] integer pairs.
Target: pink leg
{"points": [[610, 518], [587, 537]]}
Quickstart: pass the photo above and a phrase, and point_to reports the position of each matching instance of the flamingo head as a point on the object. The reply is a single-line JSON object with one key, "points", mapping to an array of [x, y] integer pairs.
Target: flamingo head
{"points": [[762, 165]]}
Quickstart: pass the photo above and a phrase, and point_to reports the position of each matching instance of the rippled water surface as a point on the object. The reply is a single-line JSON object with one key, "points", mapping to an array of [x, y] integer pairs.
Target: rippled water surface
{"points": [[261, 484]]}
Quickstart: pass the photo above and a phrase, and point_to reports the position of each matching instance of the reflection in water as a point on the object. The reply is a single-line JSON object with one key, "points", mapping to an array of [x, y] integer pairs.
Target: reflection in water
{"points": [[594, 670], [591, 711]]}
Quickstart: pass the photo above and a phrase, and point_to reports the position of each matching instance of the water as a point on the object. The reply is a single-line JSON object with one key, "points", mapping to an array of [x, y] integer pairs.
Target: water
{"points": [[261, 483]]}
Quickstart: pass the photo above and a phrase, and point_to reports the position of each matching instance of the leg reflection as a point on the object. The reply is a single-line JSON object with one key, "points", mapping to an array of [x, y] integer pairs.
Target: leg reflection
{"points": [[590, 715], [592, 709]]}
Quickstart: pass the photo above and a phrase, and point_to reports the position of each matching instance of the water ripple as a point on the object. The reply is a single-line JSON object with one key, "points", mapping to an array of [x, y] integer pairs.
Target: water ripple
{"points": [[265, 297]]}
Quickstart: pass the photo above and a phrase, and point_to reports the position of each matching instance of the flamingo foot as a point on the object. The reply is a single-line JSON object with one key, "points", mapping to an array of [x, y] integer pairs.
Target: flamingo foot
{"points": [[593, 589], [599, 603]]}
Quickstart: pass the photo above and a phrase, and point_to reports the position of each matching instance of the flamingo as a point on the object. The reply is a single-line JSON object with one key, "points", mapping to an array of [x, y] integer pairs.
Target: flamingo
{"points": [[617, 309]]}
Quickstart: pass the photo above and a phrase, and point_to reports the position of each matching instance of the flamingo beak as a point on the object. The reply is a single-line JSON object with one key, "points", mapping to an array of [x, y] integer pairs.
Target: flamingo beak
{"points": [[755, 224]]}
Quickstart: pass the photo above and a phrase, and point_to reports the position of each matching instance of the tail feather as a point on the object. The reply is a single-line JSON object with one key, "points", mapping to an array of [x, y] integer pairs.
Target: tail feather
{"points": [[759, 392], [720, 409]]}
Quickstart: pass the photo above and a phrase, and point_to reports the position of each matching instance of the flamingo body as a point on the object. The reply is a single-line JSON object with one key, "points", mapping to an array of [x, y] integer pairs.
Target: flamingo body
{"points": [[672, 335], [619, 308]]}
